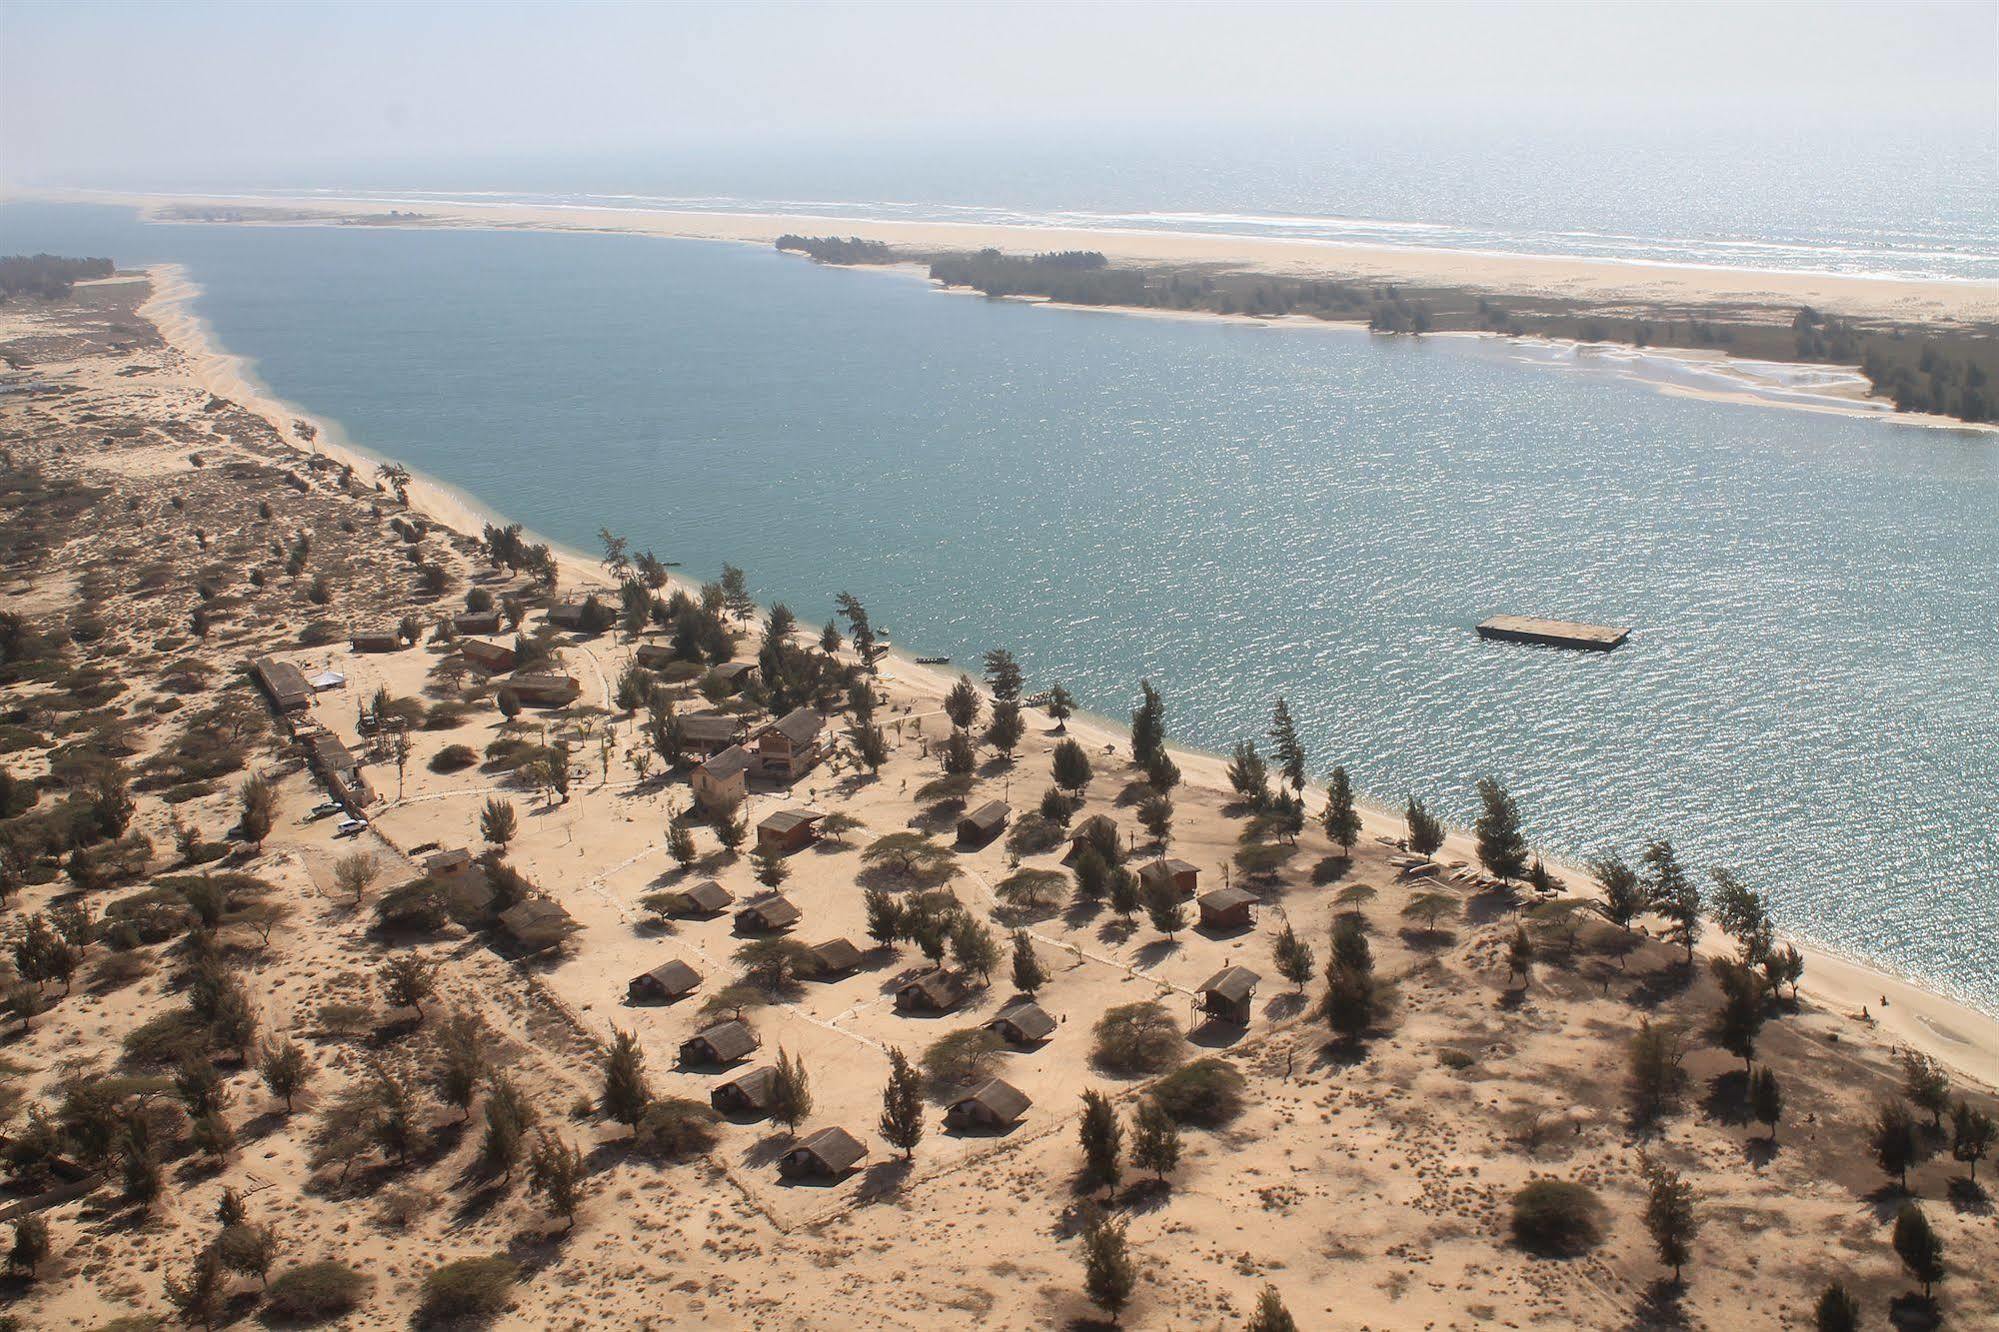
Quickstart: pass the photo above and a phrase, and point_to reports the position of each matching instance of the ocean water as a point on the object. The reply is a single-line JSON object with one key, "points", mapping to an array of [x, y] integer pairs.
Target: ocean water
{"points": [[1888, 199], [1810, 695]]}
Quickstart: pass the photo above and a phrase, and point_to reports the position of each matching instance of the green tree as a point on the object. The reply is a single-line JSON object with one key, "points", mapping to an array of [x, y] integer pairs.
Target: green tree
{"points": [[555, 1175], [1155, 1139], [1918, 1246], [1340, 819], [1003, 675], [1270, 1315], [1109, 1275], [1426, 831], [498, 823], [791, 1092], [1740, 1017], [974, 947], [1672, 892], [1502, 848], [963, 703], [1895, 1140], [1836, 1311], [884, 911], [1623, 898], [1028, 973], [1742, 916], [201, 1296], [1655, 1072], [1071, 767], [1669, 1216], [626, 1093], [1122, 890], [31, 1246], [1926, 1084], [769, 867], [1520, 956], [1061, 706], [1148, 724], [259, 804], [1285, 745], [1249, 775], [1005, 730], [680, 844], [1972, 1134], [1103, 1140], [408, 980], [902, 1105], [1163, 906], [1766, 1098], [1155, 815], [1293, 956], [509, 1116]]}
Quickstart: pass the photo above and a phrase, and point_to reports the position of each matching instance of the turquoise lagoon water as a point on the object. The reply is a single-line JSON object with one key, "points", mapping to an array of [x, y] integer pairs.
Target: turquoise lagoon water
{"points": [[1811, 693]]}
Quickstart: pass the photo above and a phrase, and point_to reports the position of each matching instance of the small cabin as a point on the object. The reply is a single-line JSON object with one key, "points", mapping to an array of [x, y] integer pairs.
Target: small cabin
{"points": [[1183, 878], [751, 1094], [538, 689], [722, 1044], [935, 991], [664, 983], [488, 654], [283, 683], [723, 781], [537, 923], [994, 1106], [828, 1154], [376, 640], [654, 656], [836, 957], [709, 732], [1021, 1024], [1227, 909], [476, 622], [786, 831], [706, 898], [732, 677], [1099, 831], [984, 823], [768, 914], [789, 746], [1226, 995]]}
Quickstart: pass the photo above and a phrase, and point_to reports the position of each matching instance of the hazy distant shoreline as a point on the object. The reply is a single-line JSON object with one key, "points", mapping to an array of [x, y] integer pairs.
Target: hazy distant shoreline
{"points": [[1606, 283]]}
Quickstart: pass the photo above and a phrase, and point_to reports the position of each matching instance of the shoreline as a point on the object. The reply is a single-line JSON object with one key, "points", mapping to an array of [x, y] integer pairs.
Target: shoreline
{"points": [[1919, 300], [1958, 1033]]}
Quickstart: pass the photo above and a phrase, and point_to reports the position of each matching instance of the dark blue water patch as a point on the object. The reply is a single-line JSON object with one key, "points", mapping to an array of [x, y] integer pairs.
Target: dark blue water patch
{"points": [[1235, 512]]}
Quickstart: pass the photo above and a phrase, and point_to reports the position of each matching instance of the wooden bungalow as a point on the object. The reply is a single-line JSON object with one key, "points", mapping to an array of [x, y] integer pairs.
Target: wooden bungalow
{"points": [[1099, 831], [543, 689], [723, 780], [722, 1044], [710, 732], [283, 683], [537, 923], [376, 640], [993, 1106], [1228, 909], [836, 957], [463, 881], [984, 823], [570, 615], [488, 654], [1183, 877], [828, 1154], [664, 983], [767, 914], [1023, 1023], [1227, 994], [789, 746], [732, 676], [331, 762], [476, 622], [654, 656], [706, 898], [935, 991], [751, 1094], [787, 830]]}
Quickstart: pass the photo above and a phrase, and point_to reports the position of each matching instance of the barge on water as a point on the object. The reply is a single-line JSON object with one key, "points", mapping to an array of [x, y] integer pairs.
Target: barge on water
{"points": [[1554, 633]]}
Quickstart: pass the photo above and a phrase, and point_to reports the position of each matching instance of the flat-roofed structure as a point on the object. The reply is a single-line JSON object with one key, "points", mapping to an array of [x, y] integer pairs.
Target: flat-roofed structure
{"points": [[1554, 633]]}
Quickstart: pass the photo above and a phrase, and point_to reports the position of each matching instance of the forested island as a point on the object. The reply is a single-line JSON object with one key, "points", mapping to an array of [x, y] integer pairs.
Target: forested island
{"points": [[1946, 372]]}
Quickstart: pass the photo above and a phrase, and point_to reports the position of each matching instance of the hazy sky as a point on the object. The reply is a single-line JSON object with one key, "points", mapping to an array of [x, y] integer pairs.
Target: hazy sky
{"points": [[91, 90]]}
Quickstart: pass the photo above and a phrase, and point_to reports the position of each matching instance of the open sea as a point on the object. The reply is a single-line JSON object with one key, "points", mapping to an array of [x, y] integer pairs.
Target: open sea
{"points": [[1810, 695]]}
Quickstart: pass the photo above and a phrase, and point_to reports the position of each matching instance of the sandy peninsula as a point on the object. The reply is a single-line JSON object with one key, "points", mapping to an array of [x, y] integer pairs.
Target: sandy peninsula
{"points": [[157, 501], [1598, 282]]}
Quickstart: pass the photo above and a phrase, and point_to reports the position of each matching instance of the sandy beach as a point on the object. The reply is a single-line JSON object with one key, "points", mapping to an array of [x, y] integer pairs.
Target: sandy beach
{"points": [[1386, 1169], [1598, 282]]}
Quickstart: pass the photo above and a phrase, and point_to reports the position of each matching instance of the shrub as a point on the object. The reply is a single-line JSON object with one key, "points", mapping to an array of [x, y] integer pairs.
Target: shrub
{"points": [[1206, 1093], [674, 1128], [469, 1288], [1032, 834], [453, 758], [1136, 1039], [1557, 1217], [961, 1058], [417, 908], [314, 1291]]}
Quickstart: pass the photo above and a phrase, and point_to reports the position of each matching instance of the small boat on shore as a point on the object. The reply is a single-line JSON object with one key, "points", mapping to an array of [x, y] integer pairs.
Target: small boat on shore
{"points": [[933, 661]]}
